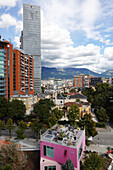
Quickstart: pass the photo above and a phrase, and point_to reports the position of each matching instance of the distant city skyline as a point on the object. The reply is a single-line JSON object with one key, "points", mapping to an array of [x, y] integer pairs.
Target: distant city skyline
{"points": [[74, 33]]}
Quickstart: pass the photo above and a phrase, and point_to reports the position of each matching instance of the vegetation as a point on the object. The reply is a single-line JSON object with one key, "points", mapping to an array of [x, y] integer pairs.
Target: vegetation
{"points": [[2, 124], [16, 110], [89, 125], [3, 108], [12, 156], [21, 130], [101, 115], [94, 162], [102, 97], [68, 165], [73, 113], [36, 126], [10, 125]]}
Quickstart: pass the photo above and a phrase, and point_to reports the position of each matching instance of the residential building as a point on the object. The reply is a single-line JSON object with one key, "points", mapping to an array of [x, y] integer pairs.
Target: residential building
{"points": [[6, 69], [95, 80], [79, 81], [56, 149], [23, 73], [84, 107], [16, 71], [28, 100], [31, 40], [87, 80]]}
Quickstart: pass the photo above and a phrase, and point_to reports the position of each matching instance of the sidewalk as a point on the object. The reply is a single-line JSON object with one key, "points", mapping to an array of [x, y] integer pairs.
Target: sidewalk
{"points": [[101, 149]]}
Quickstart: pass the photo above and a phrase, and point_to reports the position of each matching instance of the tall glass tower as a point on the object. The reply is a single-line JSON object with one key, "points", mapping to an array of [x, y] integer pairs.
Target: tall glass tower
{"points": [[31, 40]]}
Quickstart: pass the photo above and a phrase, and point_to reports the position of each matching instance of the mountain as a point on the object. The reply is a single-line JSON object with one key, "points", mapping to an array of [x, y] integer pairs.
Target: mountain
{"points": [[107, 74], [65, 73]]}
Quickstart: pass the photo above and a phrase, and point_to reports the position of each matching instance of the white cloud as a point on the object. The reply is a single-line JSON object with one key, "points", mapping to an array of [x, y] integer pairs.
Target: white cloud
{"points": [[17, 41], [20, 11], [6, 21], [8, 3]]}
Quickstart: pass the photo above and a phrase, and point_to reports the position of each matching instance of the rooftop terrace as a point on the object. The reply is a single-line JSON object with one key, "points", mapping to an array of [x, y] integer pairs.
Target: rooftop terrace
{"points": [[63, 135]]}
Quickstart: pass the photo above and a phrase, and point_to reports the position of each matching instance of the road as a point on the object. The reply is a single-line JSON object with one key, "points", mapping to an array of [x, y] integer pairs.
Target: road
{"points": [[104, 137]]}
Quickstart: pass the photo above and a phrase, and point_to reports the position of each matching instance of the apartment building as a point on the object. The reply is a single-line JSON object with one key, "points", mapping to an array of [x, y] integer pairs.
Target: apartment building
{"points": [[16, 71], [23, 72]]}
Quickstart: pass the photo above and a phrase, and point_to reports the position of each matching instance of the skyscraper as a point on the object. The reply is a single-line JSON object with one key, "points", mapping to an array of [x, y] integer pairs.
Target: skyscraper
{"points": [[31, 40]]}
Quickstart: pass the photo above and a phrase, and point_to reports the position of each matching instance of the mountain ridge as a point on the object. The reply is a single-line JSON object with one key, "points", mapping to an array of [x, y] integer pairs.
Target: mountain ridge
{"points": [[69, 73]]}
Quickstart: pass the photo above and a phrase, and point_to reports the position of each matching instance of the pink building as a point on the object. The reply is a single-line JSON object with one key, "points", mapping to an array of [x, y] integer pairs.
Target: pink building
{"points": [[55, 150]]}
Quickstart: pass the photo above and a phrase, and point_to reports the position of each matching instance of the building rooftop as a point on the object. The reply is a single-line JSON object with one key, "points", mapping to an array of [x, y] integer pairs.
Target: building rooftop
{"points": [[63, 135]]}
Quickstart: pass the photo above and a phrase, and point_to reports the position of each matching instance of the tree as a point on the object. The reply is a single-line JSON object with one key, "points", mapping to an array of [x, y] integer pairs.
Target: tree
{"points": [[22, 125], [11, 154], [94, 162], [52, 120], [17, 109], [36, 126], [68, 165], [2, 125], [21, 130], [10, 125], [58, 113], [101, 115], [73, 113], [20, 133], [3, 107]]}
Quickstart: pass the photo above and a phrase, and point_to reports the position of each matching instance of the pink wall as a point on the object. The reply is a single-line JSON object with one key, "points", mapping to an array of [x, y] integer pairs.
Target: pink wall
{"points": [[59, 150]]}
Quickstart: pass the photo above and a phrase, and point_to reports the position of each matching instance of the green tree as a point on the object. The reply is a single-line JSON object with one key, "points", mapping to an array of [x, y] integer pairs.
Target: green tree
{"points": [[58, 113], [73, 113], [10, 126], [35, 127], [68, 165], [3, 107], [17, 110], [52, 120], [11, 154], [22, 125], [94, 162], [20, 133], [101, 115], [2, 125]]}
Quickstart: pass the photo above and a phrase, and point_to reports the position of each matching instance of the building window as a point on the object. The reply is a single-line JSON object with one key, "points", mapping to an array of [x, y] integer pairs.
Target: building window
{"points": [[50, 168], [80, 151], [48, 151]]}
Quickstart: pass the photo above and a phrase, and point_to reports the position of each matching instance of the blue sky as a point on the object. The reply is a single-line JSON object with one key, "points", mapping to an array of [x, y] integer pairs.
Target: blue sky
{"points": [[74, 33]]}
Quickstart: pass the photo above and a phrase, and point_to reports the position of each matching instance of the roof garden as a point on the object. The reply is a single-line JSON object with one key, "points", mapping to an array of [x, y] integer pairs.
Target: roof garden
{"points": [[63, 135]]}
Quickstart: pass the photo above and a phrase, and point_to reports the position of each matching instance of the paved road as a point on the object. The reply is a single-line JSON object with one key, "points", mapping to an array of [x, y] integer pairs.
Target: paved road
{"points": [[104, 137]]}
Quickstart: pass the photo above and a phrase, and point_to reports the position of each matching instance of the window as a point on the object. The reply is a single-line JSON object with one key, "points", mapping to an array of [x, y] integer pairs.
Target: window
{"points": [[80, 151], [48, 151], [50, 168]]}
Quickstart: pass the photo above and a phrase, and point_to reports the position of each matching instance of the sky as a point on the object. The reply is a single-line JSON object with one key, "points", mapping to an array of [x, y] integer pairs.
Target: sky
{"points": [[74, 33]]}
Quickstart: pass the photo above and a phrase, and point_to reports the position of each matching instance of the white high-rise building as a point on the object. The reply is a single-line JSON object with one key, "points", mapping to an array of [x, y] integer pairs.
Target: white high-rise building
{"points": [[31, 40]]}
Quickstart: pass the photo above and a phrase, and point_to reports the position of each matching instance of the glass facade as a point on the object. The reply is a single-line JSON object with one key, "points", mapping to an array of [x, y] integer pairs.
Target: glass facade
{"points": [[31, 42], [2, 73]]}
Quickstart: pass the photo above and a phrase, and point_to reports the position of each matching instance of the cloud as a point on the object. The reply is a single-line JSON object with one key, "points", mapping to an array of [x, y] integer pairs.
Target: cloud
{"points": [[8, 3], [20, 12], [6, 21], [17, 41]]}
